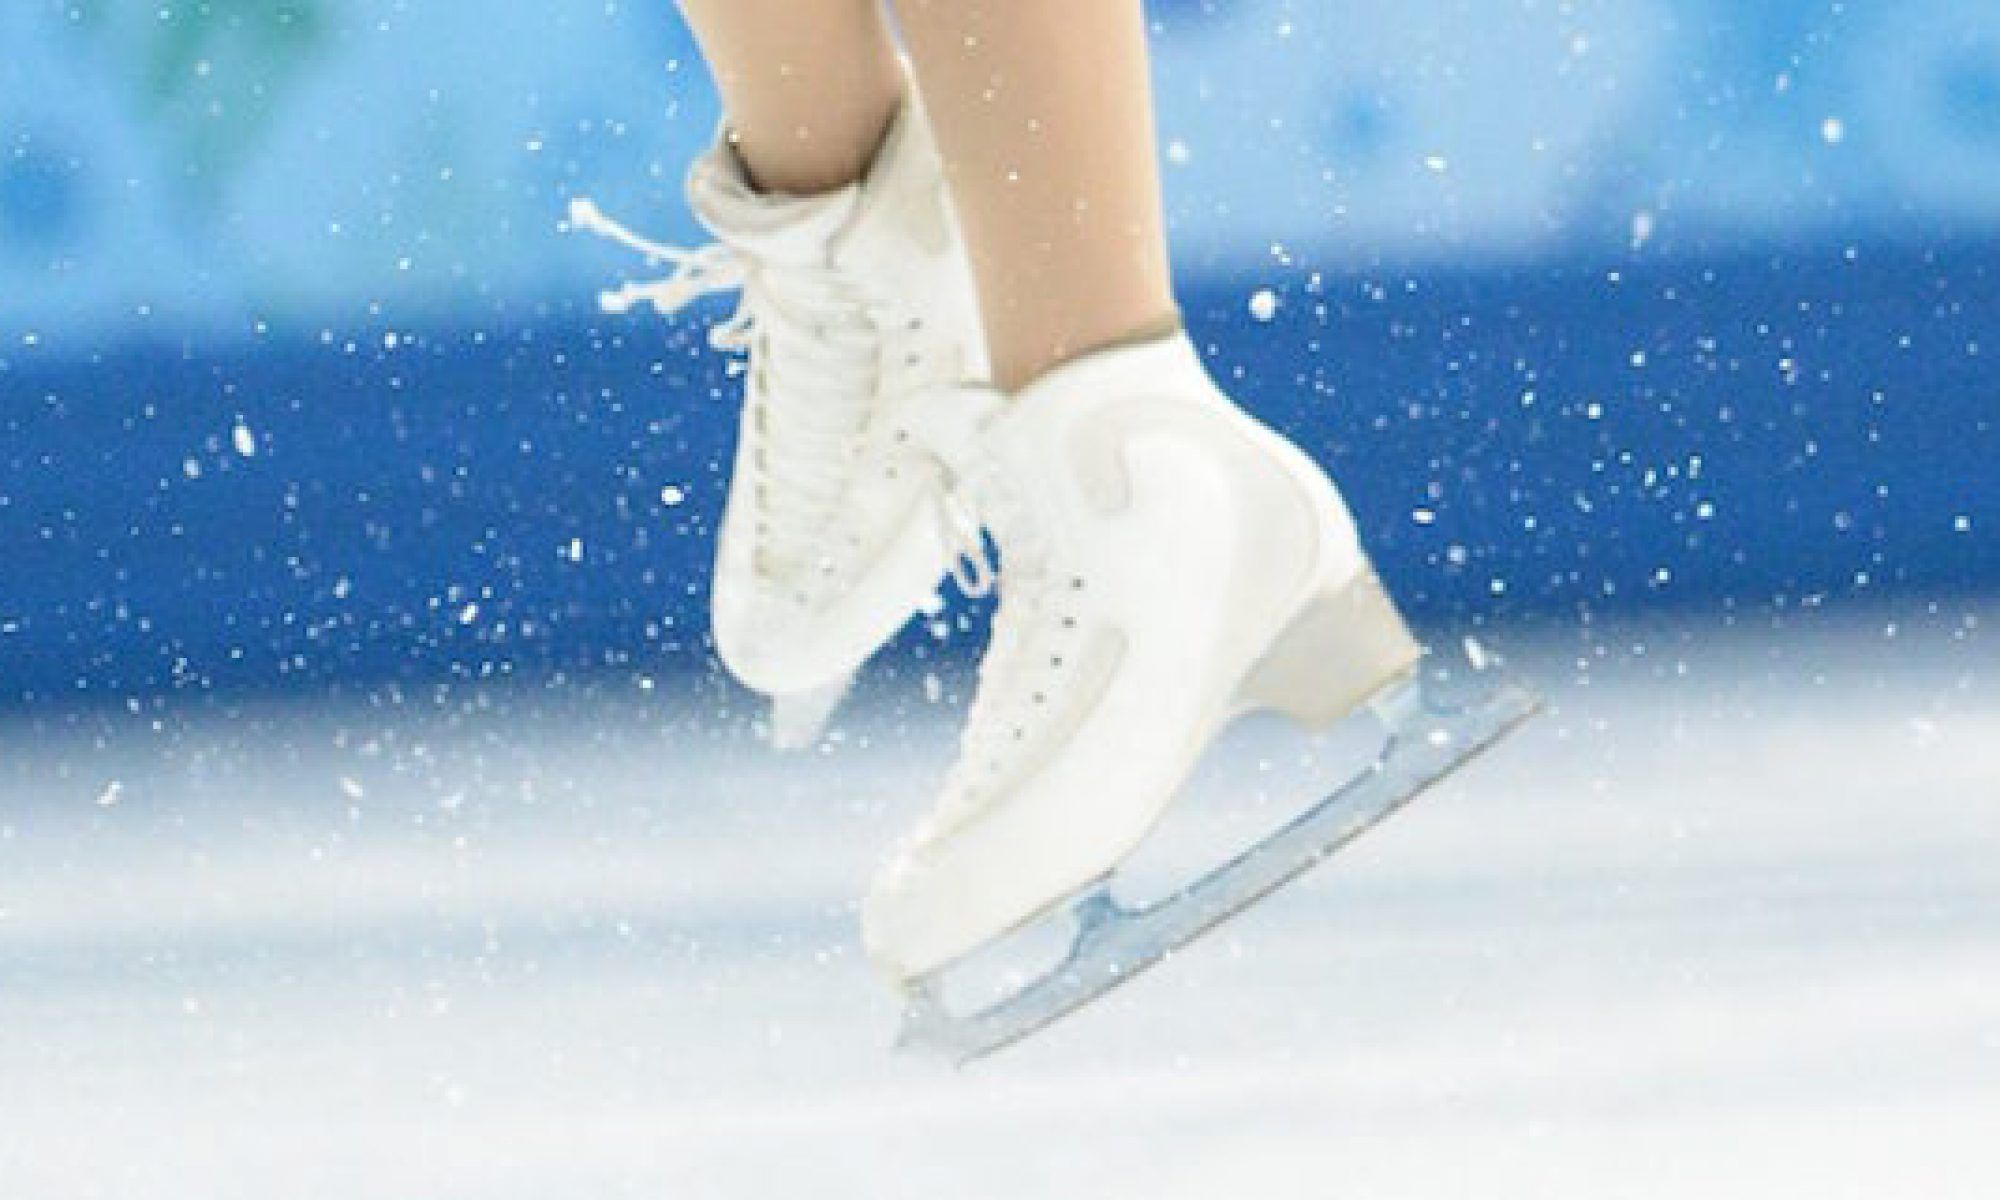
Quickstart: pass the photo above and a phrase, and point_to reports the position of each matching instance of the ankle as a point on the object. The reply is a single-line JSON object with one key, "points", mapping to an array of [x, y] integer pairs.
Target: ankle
{"points": [[1015, 371], [816, 160]]}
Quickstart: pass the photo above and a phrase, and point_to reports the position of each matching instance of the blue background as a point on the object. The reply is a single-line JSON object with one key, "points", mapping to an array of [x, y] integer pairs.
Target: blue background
{"points": [[1590, 307]]}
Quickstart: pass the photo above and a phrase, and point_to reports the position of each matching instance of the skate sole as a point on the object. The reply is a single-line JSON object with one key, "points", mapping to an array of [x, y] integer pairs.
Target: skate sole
{"points": [[1427, 740]]}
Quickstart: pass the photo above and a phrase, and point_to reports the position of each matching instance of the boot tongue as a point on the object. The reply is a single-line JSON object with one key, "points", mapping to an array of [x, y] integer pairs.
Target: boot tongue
{"points": [[865, 227], [770, 227], [1015, 490]]}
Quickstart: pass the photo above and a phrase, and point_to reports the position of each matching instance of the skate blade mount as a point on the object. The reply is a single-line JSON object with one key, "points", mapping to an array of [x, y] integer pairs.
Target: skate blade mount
{"points": [[1428, 739]]}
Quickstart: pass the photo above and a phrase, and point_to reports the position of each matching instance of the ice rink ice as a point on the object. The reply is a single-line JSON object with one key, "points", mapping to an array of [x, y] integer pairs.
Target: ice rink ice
{"points": [[1724, 922]]}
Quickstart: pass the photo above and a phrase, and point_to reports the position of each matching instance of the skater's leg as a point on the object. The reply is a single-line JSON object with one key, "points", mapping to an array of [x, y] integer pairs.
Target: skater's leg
{"points": [[1043, 110], [809, 86]]}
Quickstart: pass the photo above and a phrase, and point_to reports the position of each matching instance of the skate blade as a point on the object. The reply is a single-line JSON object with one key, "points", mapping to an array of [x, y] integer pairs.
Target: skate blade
{"points": [[1428, 739]]}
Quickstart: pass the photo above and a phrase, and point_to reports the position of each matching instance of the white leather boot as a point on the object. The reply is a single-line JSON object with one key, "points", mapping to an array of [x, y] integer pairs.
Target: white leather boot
{"points": [[1166, 563], [854, 304]]}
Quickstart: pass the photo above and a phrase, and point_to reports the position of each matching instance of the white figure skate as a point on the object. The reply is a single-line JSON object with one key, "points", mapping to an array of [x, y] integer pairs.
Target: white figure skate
{"points": [[1167, 564], [853, 304]]}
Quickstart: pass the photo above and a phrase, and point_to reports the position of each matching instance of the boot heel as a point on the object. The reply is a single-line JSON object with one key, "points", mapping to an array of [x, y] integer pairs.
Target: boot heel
{"points": [[1345, 645], [798, 720]]}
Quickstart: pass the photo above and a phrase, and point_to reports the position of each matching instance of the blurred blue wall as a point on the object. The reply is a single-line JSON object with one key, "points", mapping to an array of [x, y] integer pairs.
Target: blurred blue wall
{"points": [[203, 167], [1589, 304]]}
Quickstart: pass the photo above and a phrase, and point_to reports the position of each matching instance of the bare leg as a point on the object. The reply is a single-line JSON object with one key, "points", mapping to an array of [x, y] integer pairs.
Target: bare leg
{"points": [[809, 86], [1043, 111]]}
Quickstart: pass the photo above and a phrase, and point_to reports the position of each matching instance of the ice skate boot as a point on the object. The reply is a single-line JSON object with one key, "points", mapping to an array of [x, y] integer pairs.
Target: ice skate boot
{"points": [[853, 304], [1166, 565]]}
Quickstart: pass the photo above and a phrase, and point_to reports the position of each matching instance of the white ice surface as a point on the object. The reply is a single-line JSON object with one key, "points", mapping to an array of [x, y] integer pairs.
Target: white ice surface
{"points": [[1726, 922]]}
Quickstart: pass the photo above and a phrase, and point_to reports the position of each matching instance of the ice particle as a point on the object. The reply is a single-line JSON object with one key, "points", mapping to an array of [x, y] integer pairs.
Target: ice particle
{"points": [[1644, 223]]}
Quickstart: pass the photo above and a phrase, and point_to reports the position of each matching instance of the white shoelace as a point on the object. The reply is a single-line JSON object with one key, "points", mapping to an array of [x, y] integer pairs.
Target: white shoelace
{"points": [[1028, 646], [815, 343]]}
